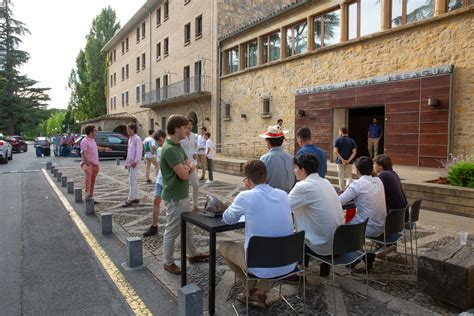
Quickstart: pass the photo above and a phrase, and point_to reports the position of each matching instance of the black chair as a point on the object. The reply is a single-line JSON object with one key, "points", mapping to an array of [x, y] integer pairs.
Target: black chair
{"points": [[414, 215], [348, 241], [274, 252], [393, 231]]}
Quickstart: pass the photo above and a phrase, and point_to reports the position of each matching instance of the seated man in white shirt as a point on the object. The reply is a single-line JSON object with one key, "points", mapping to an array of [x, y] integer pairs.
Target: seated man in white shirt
{"points": [[267, 213], [316, 208], [369, 197]]}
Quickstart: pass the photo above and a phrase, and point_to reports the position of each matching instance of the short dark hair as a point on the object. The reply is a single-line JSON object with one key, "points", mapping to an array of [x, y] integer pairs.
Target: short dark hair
{"points": [[304, 133], [365, 165], [279, 120], [276, 142], [150, 132], [384, 161], [256, 171], [159, 134], [204, 128], [308, 162], [176, 121], [344, 130], [133, 127], [88, 129], [208, 134]]}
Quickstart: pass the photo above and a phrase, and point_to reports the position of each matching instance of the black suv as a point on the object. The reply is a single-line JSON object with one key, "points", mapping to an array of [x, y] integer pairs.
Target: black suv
{"points": [[117, 142]]}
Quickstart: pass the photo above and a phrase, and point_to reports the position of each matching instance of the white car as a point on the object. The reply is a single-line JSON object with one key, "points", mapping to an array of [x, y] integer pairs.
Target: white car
{"points": [[6, 151]]}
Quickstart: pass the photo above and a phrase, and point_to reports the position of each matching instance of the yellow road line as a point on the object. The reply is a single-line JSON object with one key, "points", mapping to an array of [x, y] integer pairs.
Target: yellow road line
{"points": [[136, 304]]}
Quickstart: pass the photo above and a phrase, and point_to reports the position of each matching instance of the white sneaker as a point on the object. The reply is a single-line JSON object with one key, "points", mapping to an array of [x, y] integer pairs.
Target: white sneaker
{"points": [[209, 182]]}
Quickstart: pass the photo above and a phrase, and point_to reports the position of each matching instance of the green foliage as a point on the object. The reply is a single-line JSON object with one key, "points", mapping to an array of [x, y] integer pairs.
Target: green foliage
{"points": [[462, 174], [55, 123]]}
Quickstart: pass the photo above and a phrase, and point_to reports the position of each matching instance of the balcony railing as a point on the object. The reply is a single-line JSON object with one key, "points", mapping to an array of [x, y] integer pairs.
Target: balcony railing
{"points": [[181, 89]]}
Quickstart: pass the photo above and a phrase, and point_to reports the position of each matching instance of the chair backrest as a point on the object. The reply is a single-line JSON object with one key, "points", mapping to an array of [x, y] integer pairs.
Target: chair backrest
{"points": [[273, 252], [395, 221], [415, 210], [349, 237]]}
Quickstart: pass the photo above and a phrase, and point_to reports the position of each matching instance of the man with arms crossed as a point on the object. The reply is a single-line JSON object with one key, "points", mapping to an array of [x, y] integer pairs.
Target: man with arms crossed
{"points": [[134, 156], [189, 145], [345, 149]]}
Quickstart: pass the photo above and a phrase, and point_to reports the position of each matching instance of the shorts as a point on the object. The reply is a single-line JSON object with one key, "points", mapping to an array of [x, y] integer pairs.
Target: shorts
{"points": [[158, 190]]}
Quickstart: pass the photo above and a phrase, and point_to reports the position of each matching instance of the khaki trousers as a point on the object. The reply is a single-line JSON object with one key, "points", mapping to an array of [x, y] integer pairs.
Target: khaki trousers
{"points": [[234, 255], [344, 173], [149, 162], [201, 158], [373, 147]]}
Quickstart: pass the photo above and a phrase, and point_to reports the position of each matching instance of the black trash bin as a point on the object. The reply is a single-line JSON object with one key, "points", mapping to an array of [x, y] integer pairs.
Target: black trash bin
{"points": [[39, 151], [47, 152]]}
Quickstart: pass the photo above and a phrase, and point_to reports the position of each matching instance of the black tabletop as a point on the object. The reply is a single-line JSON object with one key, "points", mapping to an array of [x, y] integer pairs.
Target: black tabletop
{"points": [[348, 205], [210, 224]]}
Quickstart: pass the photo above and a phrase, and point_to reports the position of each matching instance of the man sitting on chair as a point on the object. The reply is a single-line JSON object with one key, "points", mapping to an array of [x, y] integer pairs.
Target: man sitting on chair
{"points": [[267, 213]]}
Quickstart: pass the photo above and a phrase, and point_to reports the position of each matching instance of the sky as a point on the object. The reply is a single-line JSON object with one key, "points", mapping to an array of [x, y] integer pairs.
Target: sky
{"points": [[58, 31]]}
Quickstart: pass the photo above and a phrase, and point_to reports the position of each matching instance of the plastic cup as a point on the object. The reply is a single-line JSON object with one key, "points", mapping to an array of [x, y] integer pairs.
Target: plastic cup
{"points": [[463, 238]]}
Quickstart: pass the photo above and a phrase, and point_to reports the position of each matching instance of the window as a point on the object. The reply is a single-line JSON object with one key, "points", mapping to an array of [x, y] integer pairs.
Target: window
{"points": [[115, 140], [111, 80], [138, 64], [198, 26], [271, 47], [227, 111], [138, 35], [126, 71], [143, 61], [158, 51], [115, 55], [143, 30], [232, 60], [158, 17], [111, 103], [115, 78], [123, 98], [157, 87], [123, 47], [165, 47], [370, 11], [187, 33], [165, 86], [143, 92], [137, 94], [166, 10], [126, 97], [111, 58], [123, 73], [327, 29], [115, 103], [266, 107], [408, 11], [126, 44], [186, 80], [456, 4], [297, 39], [152, 124], [163, 123], [197, 75], [250, 54]]}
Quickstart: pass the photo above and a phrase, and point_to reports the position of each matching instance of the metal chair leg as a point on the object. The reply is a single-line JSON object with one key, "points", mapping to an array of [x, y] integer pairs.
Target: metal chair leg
{"points": [[304, 292], [406, 252], [367, 274], [247, 296], [411, 247], [334, 290]]}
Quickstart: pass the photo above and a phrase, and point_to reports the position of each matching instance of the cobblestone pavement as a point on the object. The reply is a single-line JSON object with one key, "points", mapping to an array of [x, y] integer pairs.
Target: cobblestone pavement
{"points": [[399, 296]]}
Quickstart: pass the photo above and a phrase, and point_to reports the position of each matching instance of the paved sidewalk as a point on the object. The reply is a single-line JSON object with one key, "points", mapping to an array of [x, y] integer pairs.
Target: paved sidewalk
{"points": [[400, 296]]}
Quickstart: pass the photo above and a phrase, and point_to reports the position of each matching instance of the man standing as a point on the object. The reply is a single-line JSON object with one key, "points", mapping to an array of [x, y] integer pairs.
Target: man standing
{"points": [[134, 156], [56, 142], [267, 213], [375, 133], [201, 151], [303, 137], [345, 149], [176, 170], [210, 149], [150, 155], [189, 145], [278, 162], [90, 158]]}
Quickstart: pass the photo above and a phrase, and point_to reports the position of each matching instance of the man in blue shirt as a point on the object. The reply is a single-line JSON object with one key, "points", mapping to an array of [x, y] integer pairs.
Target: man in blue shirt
{"points": [[345, 150], [303, 137], [375, 133]]}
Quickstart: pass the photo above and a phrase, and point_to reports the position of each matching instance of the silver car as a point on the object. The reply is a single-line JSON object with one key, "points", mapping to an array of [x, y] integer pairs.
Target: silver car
{"points": [[6, 151]]}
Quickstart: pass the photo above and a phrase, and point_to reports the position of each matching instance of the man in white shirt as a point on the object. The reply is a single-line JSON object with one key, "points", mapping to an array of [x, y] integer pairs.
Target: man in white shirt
{"points": [[267, 213], [189, 145], [316, 208], [149, 145], [201, 151], [210, 150]]}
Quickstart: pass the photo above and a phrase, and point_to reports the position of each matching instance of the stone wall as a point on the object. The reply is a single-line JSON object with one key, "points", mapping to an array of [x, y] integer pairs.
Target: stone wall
{"points": [[439, 41]]}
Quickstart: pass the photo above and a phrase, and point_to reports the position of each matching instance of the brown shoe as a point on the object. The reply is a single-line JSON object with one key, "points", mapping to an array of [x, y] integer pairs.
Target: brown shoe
{"points": [[255, 300], [172, 268], [127, 204], [135, 201], [202, 257]]}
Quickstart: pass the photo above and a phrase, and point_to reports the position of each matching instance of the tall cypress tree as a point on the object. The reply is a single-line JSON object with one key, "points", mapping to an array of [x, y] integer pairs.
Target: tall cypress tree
{"points": [[20, 100]]}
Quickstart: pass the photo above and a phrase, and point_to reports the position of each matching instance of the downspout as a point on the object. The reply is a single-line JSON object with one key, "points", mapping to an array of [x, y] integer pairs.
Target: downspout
{"points": [[150, 61], [451, 113], [218, 112]]}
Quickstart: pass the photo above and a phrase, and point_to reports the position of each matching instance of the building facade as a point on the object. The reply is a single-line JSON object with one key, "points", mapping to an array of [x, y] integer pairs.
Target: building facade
{"points": [[328, 64], [163, 60]]}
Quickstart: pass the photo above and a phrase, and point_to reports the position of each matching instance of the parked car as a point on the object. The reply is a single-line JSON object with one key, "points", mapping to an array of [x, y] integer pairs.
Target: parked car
{"points": [[117, 142], [18, 143], [6, 151], [43, 146]]}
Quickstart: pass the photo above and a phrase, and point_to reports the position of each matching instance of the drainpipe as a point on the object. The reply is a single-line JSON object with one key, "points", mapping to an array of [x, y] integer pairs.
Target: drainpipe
{"points": [[149, 70], [451, 117], [218, 112]]}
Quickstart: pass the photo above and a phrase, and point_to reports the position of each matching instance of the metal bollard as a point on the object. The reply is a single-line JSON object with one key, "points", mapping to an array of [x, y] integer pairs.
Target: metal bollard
{"points": [[49, 164], [52, 169], [78, 195], [55, 172], [134, 254], [118, 162], [89, 206], [64, 181], [70, 187], [190, 300], [58, 176], [106, 221]]}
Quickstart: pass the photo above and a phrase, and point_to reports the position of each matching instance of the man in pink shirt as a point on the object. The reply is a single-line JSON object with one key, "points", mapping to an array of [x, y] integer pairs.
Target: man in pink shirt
{"points": [[90, 158], [134, 156]]}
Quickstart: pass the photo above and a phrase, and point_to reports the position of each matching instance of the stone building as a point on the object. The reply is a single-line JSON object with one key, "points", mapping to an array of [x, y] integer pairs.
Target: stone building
{"points": [[326, 64], [164, 61]]}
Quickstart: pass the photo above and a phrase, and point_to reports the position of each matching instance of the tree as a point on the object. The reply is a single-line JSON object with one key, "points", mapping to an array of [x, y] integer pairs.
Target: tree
{"points": [[88, 81], [20, 100]]}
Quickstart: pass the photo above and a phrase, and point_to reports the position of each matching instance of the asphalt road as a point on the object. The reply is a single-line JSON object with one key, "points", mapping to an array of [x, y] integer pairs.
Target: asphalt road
{"points": [[46, 266]]}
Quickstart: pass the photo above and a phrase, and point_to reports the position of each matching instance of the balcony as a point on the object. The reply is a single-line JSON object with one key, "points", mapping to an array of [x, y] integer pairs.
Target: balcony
{"points": [[188, 89]]}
